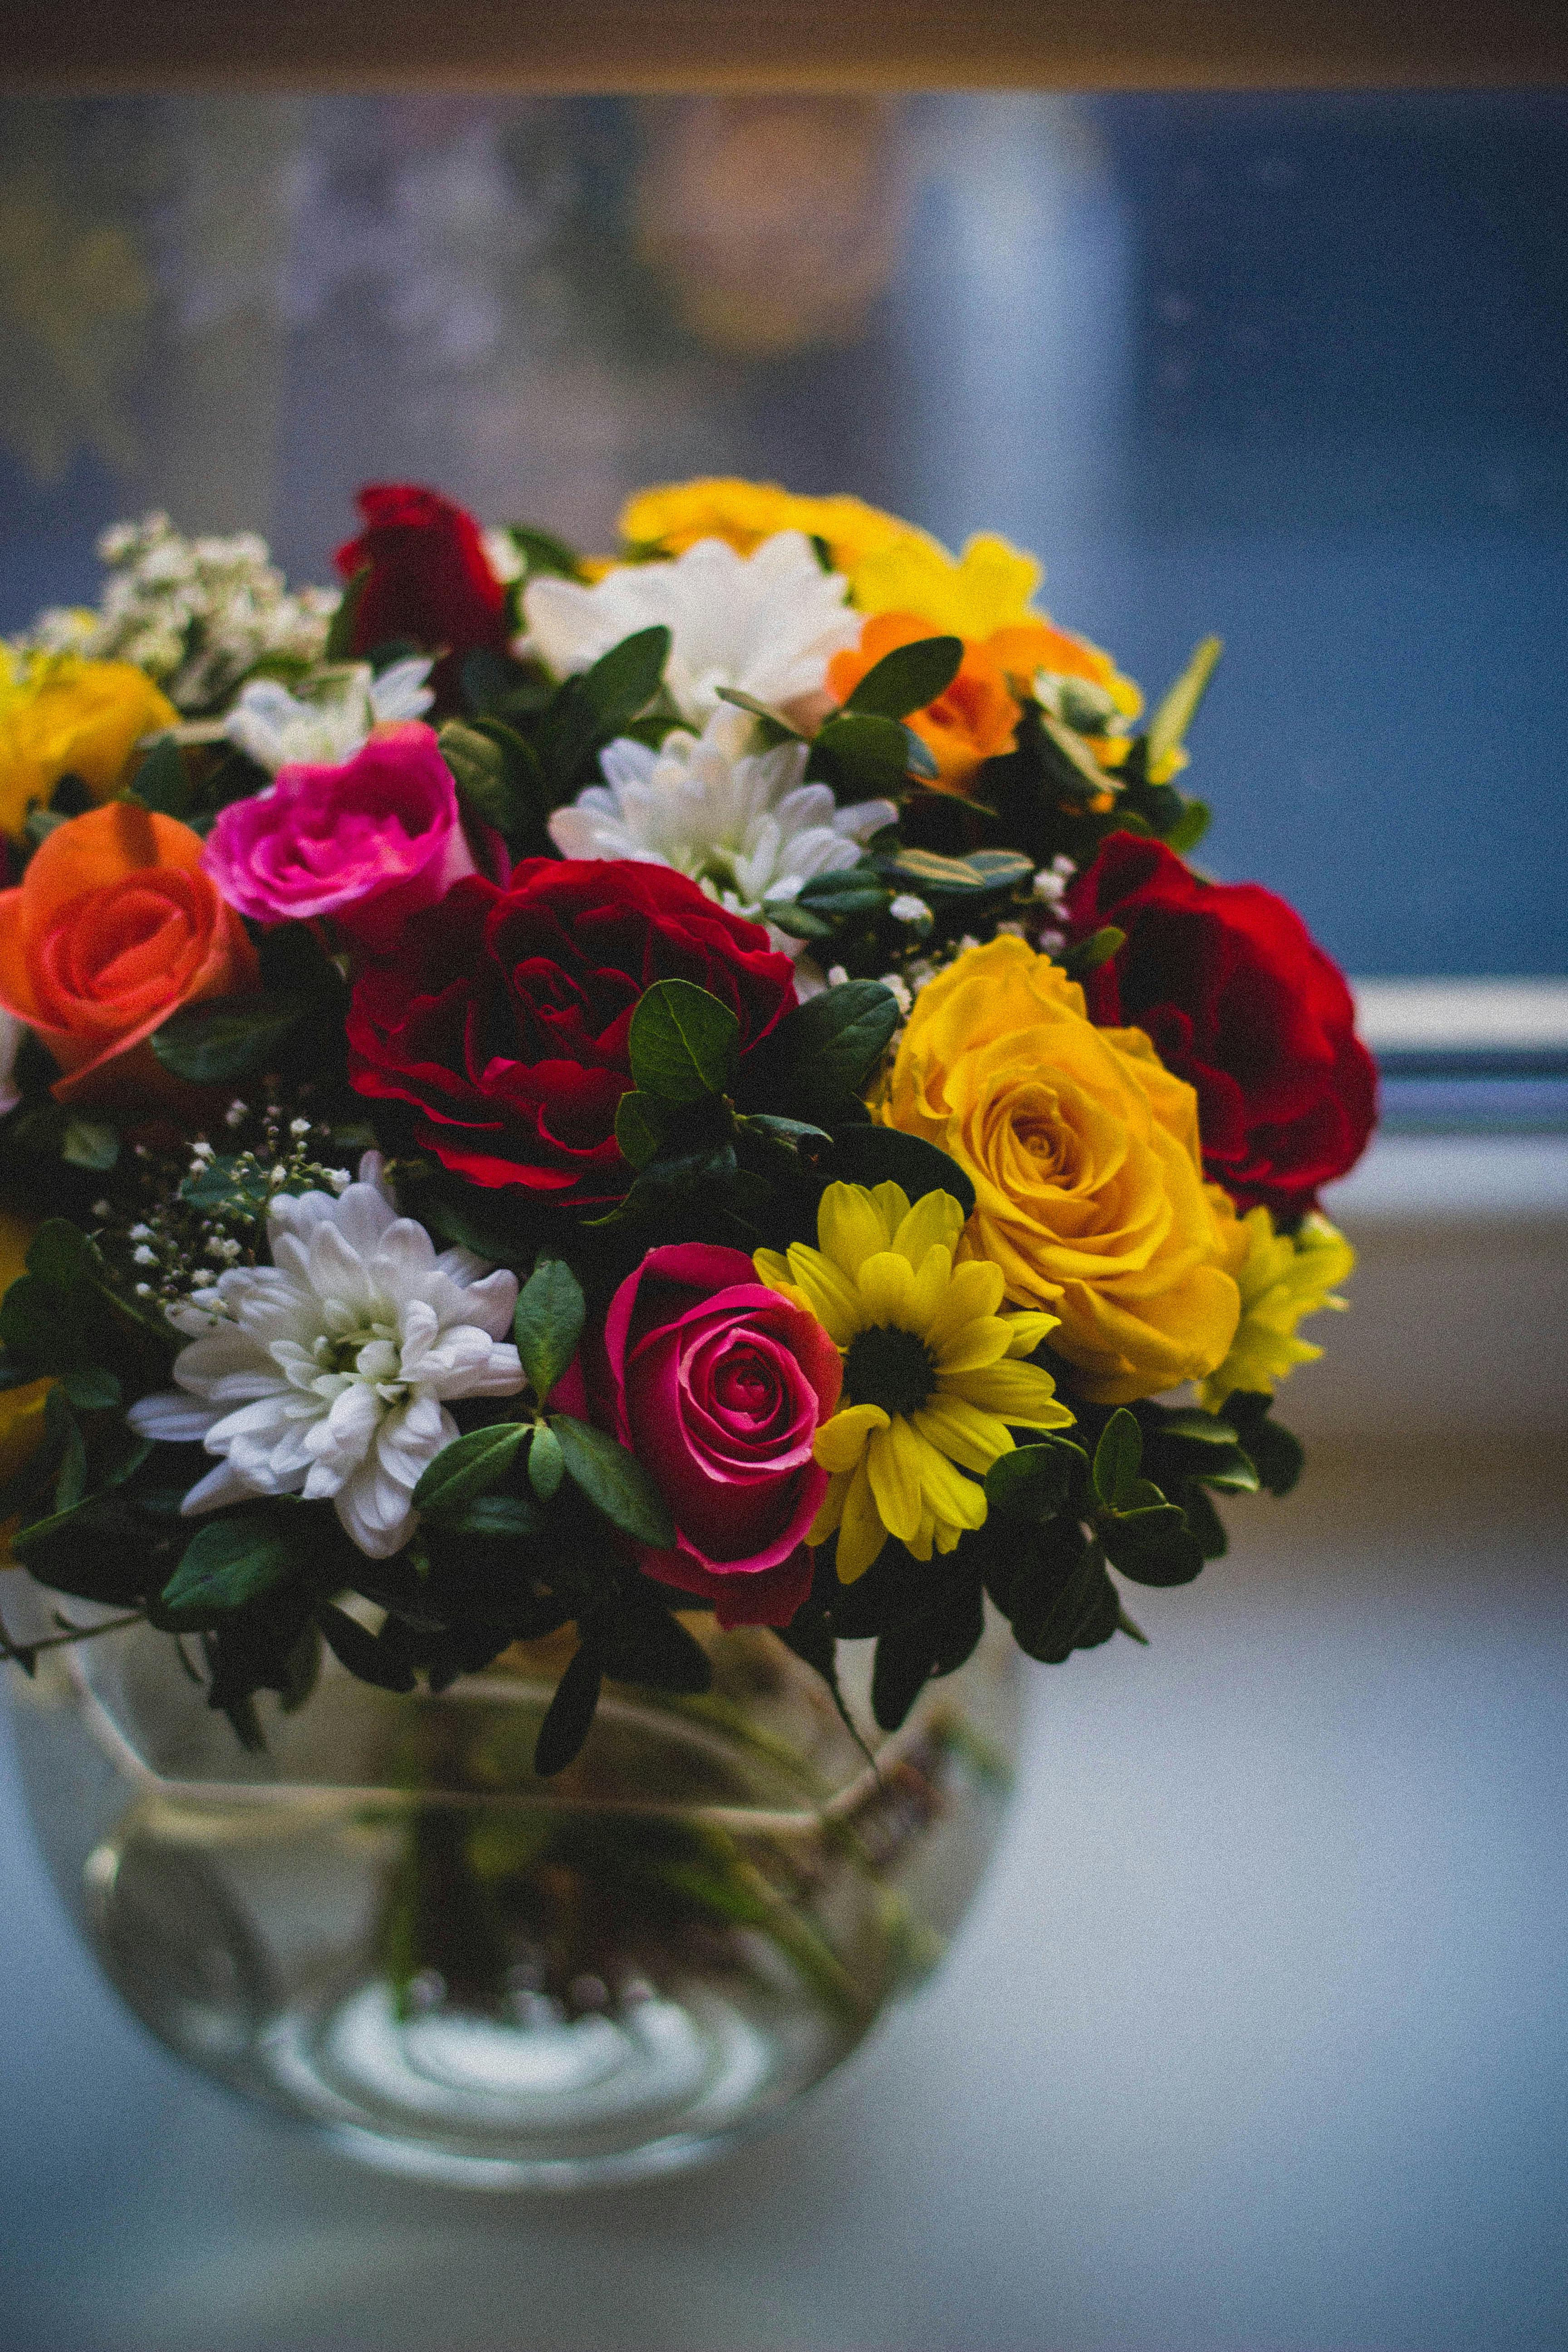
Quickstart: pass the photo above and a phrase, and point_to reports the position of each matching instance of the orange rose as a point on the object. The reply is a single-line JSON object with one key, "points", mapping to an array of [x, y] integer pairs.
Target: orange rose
{"points": [[114, 928], [973, 720]]}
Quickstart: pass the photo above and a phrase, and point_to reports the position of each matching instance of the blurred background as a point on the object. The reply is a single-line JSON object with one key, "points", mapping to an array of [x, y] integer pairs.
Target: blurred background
{"points": [[1258, 2036]]}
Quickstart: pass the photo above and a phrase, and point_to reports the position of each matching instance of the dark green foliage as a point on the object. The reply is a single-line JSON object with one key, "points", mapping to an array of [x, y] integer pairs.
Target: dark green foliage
{"points": [[908, 679], [682, 1043], [161, 782], [882, 1155], [548, 1323], [570, 1714], [614, 1481], [226, 1563]]}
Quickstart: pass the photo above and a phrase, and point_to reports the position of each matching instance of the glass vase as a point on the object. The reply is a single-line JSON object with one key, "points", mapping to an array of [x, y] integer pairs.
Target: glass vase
{"points": [[384, 1924]]}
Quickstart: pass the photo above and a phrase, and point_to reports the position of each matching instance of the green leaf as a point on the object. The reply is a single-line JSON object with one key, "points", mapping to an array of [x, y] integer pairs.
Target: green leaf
{"points": [[1198, 1428], [62, 1254], [1275, 1454], [642, 1122], [1153, 1546], [498, 1517], [1205, 1523], [543, 552], [228, 1563], [908, 678], [546, 1462], [682, 1043], [623, 682], [161, 782], [868, 756], [778, 727], [786, 1130], [86, 1143], [981, 872], [921, 760], [1189, 827], [1034, 1481], [345, 624], [548, 1323], [829, 1045], [1090, 953], [1178, 707], [650, 1646], [1062, 1599], [470, 1465], [570, 1714], [614, 1482], [373, 1657], [1117, 1459], [70, 1480], [882, 1155], [91, 1389], [1229, 1469], [224, 1037], [479, 769], [218, 1187]]}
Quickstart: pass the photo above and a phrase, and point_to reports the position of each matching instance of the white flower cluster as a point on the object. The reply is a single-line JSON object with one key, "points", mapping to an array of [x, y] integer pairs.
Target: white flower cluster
{"points": [[327, 1373], [194, 614], [329, 719], [738, 820]]}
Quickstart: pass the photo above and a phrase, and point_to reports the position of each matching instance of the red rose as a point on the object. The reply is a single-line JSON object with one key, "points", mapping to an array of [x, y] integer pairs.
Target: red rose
{"points": [[506, 1015], [718, 1384], [430, 580], [1241, 1002]]}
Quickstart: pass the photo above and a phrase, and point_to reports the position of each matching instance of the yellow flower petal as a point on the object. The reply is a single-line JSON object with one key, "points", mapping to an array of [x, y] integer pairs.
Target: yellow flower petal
{"points": [[850, 1227], [956, 1500], [839, 1442], [887, 1289], [984, 1341], [894, 1464], [1020, 1393], [936, 1217], [831, 1297], [831, 1509], [892, 1206], [974, 1290], [1029, 1331], [861, 1534], [961, 1431]]}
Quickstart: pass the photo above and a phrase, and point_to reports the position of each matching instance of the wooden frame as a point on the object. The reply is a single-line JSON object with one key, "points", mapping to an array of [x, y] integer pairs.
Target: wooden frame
{"points": [[497, 45]]}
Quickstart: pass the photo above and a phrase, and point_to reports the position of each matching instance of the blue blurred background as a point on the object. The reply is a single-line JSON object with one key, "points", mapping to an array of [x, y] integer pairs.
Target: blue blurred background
{"points": [[1290, 367]]}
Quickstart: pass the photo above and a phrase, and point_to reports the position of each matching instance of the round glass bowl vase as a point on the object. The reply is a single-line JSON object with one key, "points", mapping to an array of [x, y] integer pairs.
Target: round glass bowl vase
{"points": [[384, 1924]]}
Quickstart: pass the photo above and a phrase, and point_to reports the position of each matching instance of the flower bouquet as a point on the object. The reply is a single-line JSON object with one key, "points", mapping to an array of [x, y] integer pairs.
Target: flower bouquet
{"points": [[588, 1104]]}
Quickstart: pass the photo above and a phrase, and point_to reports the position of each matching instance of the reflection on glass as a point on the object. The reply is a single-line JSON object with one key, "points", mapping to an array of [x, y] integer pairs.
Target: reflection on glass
{"points": [[1292, 369]]}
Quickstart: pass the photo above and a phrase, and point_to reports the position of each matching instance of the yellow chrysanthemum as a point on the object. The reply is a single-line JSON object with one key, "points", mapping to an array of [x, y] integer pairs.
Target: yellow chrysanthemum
{"points": [[932, 1375], [60, 715], [673, 516], [1283, 1278]]}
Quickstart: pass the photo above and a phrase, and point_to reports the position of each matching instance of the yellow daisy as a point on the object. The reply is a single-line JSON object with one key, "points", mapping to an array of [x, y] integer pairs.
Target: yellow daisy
{"points": [[931, 1378]]}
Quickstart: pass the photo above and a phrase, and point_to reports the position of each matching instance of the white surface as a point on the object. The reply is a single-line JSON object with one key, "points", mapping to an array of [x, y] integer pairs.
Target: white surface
{"points": [[1462, 1016], [1257, 2041], [1487, 1179]]}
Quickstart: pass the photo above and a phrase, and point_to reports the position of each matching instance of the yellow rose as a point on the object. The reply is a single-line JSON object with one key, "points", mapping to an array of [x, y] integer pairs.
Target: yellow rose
{"points": [[1283, 1278], [21, 1409], [1083, 1153], [59, 716], [676, 515]]}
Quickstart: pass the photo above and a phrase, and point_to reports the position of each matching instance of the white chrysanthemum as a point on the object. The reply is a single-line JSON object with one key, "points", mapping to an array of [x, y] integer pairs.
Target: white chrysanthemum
{"points": [[738, 820], [767, 624], [331, 720], [194, 614], [327, 1373]]}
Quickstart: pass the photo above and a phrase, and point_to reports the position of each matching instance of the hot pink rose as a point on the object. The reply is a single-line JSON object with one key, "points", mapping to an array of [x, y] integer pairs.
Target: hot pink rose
{"points": [[717, 1386], [368, 842]]}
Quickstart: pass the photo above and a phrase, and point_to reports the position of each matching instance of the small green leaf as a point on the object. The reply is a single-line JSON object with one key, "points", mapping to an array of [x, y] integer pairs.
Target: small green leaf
{"points": [[1275, 1454], [1062, 1599], [373, 1657], [778, 727], [828, 1047], [921, 760], [228, 1563], [908, 678], [1090, 953], [548, 1323], [870, 756], [650, 1646], [642, 1122], [1117, 1459], [222, 1037], [623, 682], [1229, 1469], [60, 1254], [91, 1389], [682, 1042], [546, 1462], [543, 552], [614, 1482], [161, 782], [498, 1517], [87, 1143], [479, 769], [981, 872], [1178, 707], [470, 1465], [570, 1714], [794, 1131], [1034, 1481], [343, 625], [1198, 1428], [883, 1155], [70, 1480], [1153, 1546], [1189, 827]]}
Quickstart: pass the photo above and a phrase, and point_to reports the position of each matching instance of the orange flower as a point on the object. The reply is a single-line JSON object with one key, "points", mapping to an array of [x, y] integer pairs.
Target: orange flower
{"points": [[974, 719], [114, 926]]}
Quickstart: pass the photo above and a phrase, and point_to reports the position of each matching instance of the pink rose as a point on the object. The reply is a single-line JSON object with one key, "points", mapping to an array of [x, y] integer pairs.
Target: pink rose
{"points": [[718, 1385], [368, 842]]}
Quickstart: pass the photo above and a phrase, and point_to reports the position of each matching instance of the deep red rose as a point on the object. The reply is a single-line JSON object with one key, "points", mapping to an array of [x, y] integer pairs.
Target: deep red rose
{"points": [[718, 1385], [430, 580], [506, 1015], [1241, 1002]]}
